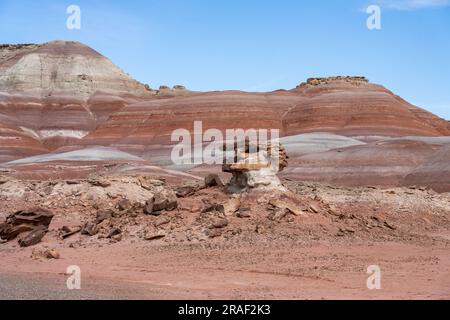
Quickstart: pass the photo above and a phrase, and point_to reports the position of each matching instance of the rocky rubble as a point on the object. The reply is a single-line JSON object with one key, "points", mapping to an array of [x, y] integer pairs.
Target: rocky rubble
{"points": [[35, 221], [353, 80], [109, 209]]}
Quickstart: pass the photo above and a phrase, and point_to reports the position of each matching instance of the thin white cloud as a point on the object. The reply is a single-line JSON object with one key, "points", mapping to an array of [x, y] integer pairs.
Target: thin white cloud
{"points": [[407, 5], [264, 86]]}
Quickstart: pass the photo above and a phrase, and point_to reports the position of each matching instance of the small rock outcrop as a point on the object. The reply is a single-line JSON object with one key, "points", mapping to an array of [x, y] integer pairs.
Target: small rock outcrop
{"points": [[353, 80], [255, 166]]}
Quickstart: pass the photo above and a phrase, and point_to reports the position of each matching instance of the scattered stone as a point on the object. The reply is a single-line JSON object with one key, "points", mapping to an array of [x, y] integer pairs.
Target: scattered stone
{"points": [[103, 215], [34, 237], [165, 201], [155, 235], [114, 232], [90, 229], [213, 233], [278, 214], [187, 190], [232, 206], [344, 231], [39, 253], [111, 195], [213, 180], [192, 207], [284, 205], [97, 182], [149, 184], [214, 208], [51, 254], [117, 237], [124, 205], [243, 214], [313, 208], [66, 231], [161, 221], [332, 212], [389, 225], [220, 223], [260, 229]]}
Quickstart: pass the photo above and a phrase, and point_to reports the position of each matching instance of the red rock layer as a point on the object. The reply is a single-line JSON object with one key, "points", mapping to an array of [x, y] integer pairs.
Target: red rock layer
{"points": [[360, 110], [363, 109], [147, 125]]}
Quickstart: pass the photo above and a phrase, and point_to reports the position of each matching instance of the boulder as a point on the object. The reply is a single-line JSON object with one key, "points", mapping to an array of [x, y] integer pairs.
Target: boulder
{"points": [[35, 217], [124, 205], [34, 237], [213, 180], [165, 200], [187, 190], [103, 215], [25, 221], [89, 228], [9, 232]]}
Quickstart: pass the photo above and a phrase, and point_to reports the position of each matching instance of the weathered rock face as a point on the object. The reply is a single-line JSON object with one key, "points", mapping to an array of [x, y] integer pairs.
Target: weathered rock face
{"points": [[15, 142], [54, 94], [64, 68]]}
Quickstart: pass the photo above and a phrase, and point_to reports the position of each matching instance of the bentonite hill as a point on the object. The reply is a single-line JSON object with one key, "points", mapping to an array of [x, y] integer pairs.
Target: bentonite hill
{"points": [[62, 97], [86, 175]]}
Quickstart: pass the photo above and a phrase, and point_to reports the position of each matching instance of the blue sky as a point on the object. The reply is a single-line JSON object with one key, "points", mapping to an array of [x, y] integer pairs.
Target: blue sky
{"points": [[255, 45]]}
